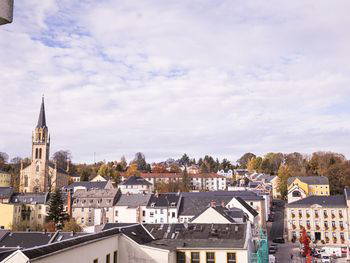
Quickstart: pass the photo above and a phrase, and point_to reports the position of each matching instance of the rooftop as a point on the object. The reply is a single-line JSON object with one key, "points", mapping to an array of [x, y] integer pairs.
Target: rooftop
{"points": [[164, 200], [133, 200], [87, 185], [313, 180], [6, 192], [135, 180], [324, 201], [30, 198]]}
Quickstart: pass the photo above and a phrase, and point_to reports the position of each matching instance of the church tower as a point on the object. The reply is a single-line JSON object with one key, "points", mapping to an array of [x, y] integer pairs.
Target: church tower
{"points": [[41, 175]]}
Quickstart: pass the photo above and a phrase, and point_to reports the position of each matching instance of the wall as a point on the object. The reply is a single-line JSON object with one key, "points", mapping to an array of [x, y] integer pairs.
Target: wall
{"points": [[220, 255], [87, 253], [211, 216], [7, 215]]}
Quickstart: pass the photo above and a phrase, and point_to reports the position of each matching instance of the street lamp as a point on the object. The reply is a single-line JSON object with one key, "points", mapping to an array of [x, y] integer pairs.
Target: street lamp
{"points": [[6, 11]]}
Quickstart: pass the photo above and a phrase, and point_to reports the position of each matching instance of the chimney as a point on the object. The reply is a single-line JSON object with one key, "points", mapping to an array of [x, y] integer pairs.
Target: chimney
{"points": [[223, 203], [156, 194], [69, 203], [213, 203]]}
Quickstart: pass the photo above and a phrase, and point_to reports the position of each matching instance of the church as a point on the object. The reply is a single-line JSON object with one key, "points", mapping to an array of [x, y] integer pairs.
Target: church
{"points": [[41, 175]]}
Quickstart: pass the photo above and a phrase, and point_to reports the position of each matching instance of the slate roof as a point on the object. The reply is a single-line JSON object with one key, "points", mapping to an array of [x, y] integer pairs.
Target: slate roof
{"points": [[194, 202], [312, 180], [30, 198], [164, 200], [229, 214], [246, 206], [133, 200], [25, 239], [6, 192], [42, 118], [173, 236], [324, 201], [135, 180], [87, 185]]}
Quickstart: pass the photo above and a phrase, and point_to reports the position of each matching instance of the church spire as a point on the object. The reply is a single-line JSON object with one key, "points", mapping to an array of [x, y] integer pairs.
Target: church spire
{"points": [[42, 119]]}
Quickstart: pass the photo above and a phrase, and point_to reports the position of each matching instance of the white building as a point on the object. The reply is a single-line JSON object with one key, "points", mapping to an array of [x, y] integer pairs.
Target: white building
{"points": [[131, 208], [135, 185]]}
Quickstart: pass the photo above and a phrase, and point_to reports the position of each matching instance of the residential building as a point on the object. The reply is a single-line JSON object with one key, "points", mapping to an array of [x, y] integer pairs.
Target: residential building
{"points": [[5, 194], [163, 208], [131, 208], [307, 185], [99, 178], [325, 219], [95, 206], [158, 243], [75, 178], [228, 173], [5, 179], [41, 175], [135, 185], [193, 169]]}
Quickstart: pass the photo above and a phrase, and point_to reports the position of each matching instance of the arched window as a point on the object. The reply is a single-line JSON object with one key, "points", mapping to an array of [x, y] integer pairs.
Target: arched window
{"points": [[36, 153], [26, 181], [40, 153], [37, 168]]}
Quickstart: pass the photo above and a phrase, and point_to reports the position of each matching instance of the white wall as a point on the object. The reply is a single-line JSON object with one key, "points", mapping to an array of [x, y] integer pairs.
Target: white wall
{"points": [[210, 216]]}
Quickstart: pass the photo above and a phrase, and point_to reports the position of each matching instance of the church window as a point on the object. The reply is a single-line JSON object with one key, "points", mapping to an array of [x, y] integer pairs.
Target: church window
{"points": [[37, 168], [40, 150], [26, 181], [36, 153]]}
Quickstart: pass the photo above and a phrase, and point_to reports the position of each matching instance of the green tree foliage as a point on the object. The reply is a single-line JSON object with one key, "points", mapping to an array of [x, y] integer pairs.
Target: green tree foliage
{"points": [[184, 160], [141, 163], [72, 226], [243, 161], [283, 175], [56, 213]]}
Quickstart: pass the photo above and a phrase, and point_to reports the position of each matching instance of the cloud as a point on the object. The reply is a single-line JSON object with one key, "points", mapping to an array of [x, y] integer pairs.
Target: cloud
{"points": [[167, 77]]}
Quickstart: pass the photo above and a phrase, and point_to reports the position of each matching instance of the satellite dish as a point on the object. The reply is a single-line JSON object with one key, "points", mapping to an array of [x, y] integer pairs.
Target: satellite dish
{"points": [[6, 11]]}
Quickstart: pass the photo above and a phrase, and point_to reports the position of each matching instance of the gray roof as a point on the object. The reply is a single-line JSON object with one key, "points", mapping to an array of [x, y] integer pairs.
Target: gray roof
{"points": [[194, 202], [309, 179], [229, 214], [3, 172], [87, 185], [246, 206], [29, 198], [164, 199], [6, 192], [42, 118], [25, 239], [173, 236], [133, 200], [324, 201], [135, 180]]}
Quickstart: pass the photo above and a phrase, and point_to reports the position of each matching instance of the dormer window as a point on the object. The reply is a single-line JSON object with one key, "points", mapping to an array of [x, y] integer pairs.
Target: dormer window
{"points": [[172, 204]]}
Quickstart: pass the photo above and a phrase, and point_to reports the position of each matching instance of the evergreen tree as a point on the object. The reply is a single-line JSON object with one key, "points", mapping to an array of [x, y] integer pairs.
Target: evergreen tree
{"points": [[56, 212]]}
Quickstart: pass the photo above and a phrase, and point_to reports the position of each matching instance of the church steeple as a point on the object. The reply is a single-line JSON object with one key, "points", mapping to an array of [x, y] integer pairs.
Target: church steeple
{"points": [[42, 118]]}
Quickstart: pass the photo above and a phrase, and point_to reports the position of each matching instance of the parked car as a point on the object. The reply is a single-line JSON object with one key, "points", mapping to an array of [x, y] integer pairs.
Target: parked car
{"points": [[272, 250], [326, 259], [278, 240], [273, 246]]}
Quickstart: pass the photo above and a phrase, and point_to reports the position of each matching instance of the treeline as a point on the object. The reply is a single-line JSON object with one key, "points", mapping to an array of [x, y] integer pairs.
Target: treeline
{"points": [[332, 165]]}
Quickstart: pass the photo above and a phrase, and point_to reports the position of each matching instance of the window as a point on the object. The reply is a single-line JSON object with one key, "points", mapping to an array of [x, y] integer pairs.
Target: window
{"points": [[210, 257], [195, 257], [161, 220], [115, 257], [143, 213], [231, 258], [116, 213], [180, 257], [151, 214], [173, 214], [96, 260], [108, 258], [161, 211]]}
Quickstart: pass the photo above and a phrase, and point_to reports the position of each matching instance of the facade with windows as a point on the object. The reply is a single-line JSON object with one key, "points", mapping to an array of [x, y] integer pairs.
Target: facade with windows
{"points": [[325, 219]]}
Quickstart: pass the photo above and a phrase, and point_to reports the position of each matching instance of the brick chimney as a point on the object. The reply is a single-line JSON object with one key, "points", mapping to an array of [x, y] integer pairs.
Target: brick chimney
{"points": [[213, 203], [223, 203]]}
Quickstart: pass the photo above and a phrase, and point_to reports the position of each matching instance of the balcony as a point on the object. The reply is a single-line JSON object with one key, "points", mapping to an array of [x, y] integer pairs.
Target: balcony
{"points": [[326, 227], [340, 215], [334, 240], [300, 215], [334, 228], [341, 228]]}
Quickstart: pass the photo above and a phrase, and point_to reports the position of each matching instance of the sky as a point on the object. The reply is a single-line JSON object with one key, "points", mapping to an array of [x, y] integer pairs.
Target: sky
{"points": [[166, 77]]}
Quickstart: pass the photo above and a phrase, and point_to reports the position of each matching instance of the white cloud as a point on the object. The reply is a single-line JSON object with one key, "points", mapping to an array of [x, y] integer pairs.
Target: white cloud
{"points": [[167, 77]]}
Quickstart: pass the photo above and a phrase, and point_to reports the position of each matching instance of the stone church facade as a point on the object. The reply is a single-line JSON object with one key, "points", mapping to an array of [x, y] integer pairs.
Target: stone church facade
{"points": [[41, 175]]}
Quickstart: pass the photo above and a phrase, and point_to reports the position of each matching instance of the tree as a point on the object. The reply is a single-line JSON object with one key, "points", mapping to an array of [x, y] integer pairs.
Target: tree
{"points": [[185, 182], [62, 158], [72, 226], [56, 212], [254, 164], [4, 157], [243, 161], [132, 170], [225, 165], [140, 161], [184, 160], [283, 175]]}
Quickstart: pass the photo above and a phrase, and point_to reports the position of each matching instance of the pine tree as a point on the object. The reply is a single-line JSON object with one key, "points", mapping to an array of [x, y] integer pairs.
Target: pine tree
{"points": [[56, 212]]}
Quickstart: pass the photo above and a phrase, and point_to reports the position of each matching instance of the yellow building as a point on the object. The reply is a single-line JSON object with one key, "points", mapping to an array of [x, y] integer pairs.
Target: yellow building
{"points": [[5, 179], [10, 215], [303, 186]]}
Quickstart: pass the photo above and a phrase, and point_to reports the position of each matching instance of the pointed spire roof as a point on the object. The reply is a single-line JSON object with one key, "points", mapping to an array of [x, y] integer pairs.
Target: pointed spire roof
{"points": [[42, 118]]}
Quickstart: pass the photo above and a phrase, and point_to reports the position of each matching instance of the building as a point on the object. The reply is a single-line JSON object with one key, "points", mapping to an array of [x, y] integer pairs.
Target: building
{"points": [[157, 243], [99, 178], [74, 178], [228, 173], [41, 175], [83, 185], [5, 179], [131, 208], [95, 206], [135, 185], [6, 11], [163, 208], [5, 194], [325, 219]]}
